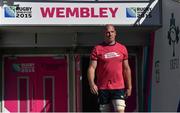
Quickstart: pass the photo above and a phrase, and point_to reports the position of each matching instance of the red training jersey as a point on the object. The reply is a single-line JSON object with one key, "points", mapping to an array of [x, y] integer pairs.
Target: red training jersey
{"points": [[109, 59]]}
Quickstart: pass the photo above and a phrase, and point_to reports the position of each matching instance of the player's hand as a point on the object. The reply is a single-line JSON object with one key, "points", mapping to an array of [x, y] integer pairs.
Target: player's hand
{"points": [[94, 89], [128, 92]]}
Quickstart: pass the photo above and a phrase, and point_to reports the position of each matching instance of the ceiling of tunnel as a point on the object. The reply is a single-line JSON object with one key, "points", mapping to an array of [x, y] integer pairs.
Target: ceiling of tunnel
{"points": [[70, 29]]}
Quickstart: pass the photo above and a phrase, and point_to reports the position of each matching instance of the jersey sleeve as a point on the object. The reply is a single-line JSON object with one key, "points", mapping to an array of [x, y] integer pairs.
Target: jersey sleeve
{"points": [[125, 53], [93, 55]]}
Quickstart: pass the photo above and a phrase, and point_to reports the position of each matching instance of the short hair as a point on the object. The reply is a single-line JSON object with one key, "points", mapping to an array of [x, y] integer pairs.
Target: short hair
{"points": [[109, 25]]}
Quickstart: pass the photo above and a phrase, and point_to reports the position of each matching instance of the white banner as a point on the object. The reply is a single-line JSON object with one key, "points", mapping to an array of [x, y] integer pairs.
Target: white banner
{"points": [[31, 13]]}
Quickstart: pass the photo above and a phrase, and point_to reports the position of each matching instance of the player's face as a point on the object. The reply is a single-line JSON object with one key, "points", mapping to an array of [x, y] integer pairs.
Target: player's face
{"points": [[110, 34]]}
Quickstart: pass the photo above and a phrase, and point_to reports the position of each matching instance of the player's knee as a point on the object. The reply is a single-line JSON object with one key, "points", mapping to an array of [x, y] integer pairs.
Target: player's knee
{"points": [[119, 105], [119, 108], [105, 108]]}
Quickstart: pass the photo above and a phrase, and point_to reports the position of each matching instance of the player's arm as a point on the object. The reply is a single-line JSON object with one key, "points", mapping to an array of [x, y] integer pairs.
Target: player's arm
{"points": [[127, 77], [91, 76]]}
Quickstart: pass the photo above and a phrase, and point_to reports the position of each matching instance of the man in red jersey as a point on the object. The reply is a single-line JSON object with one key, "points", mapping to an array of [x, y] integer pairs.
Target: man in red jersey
{"points": [[113, 75]]}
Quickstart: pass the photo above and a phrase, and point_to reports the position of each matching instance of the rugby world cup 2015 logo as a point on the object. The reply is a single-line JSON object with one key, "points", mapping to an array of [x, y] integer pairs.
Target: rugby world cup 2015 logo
{"points": [[138, 12], [17, 11], [10, 11]]}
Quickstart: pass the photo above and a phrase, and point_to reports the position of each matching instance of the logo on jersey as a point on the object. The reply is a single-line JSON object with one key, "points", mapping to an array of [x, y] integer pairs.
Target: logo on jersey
{"points": [[111, 55]]}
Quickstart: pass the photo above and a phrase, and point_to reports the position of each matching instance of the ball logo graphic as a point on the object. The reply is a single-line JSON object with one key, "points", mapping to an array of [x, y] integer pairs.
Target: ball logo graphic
{"points": [[9, 11], [131, 12], [16, 67]]}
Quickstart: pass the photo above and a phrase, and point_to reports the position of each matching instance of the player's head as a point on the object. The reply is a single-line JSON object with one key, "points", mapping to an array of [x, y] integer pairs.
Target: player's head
{"points": [[110, 33]]}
